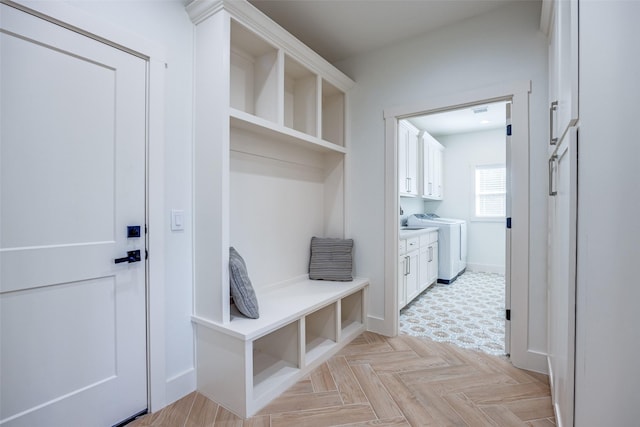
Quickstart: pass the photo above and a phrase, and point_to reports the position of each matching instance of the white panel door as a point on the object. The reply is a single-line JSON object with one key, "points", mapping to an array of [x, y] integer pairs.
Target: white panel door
{"points": [[561, 291], [72, 170]]}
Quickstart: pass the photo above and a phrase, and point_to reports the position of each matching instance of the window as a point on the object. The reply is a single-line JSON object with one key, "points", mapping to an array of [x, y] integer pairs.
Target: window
{"points": [[490, 196]]}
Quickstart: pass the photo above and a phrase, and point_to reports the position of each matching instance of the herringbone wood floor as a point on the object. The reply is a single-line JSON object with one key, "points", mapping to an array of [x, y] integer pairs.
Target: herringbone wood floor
{"points": [[379, 381]]}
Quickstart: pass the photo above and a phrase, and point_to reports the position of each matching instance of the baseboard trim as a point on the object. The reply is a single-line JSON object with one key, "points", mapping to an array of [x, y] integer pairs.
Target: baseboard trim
{"points": [[379, 326], [486, 268], [180, 385]]}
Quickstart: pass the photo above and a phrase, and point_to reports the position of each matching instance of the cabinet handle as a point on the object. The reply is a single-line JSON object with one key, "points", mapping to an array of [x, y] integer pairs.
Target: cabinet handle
{"points": [[408, 265], [430, 253], [553, 140], [552, 190]]}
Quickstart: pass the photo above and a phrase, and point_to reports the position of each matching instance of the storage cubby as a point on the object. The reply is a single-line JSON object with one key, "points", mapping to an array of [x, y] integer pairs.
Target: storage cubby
{"points": [[269, 174], [333, 114], [275, 358], [352, 313], [320, 332], [253, 73], [300, 97]]}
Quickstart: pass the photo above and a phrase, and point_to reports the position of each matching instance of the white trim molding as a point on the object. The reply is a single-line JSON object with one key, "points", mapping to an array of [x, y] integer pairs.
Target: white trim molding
{"points": [[518, 93]]}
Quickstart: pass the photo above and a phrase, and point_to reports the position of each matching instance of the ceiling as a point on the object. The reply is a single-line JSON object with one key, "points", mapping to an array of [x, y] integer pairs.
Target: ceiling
{"points": [[339, 29], [473, 119]]}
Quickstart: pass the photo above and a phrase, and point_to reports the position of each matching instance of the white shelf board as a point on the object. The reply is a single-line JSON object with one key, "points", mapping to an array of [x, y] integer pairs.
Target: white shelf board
{"points": [[351, 328], [243, 120], [280, 305], [269, 371], [317, 347]]}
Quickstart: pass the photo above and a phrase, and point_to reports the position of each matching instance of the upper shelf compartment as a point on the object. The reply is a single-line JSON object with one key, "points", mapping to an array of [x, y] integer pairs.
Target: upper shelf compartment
{"points": [[254, 74], [275, 83], [300, 97], [333, 112]]}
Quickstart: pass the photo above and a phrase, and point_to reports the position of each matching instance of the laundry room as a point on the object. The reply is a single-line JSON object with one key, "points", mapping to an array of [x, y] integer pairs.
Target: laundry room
{"points": [[461, 188], [469, 152]]}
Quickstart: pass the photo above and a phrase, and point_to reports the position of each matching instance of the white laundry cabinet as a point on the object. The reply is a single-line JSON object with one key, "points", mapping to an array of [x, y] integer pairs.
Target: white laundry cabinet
{"points": [[417, 263]]}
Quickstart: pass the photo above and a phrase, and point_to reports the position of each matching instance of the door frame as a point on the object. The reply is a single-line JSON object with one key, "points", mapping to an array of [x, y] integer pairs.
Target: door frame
{"points": [[91, 26], [517, 237]]}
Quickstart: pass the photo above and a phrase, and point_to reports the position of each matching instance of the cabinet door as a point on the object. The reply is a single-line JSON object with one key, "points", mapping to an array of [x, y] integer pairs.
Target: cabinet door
{"points": [[425, 259], [412, 161], [432, 168], [403, 139], [402, 281], [429, 164], [437, 172], [407, 158], [433, 263], [412, 277], [564, 69], [561, 292]]}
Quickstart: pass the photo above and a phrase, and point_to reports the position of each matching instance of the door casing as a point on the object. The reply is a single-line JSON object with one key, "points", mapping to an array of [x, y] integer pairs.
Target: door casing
{"points": [[518, 237]]}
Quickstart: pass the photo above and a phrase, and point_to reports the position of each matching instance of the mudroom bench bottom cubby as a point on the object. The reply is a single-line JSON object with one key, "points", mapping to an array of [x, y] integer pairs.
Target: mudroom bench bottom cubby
{"points": [[246, 363]]}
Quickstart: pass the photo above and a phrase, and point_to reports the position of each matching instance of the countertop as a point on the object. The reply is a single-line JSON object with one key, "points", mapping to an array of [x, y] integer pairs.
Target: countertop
{"points": [[406, 233]]}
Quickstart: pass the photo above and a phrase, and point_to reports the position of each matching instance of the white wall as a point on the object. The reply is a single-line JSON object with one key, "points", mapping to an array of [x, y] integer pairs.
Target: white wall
{"points": [[165, 23], [410, 206], [485, 238], [607, 336], [502, 46]]}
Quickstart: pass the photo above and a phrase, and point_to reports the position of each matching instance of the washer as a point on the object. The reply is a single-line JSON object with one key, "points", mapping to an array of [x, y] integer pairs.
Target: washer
{"points": [[452, 243]]}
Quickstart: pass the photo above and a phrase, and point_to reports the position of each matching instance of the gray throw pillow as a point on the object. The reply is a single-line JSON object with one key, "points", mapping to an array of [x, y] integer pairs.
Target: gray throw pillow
{"points": [[242, 291], [331, 259]]}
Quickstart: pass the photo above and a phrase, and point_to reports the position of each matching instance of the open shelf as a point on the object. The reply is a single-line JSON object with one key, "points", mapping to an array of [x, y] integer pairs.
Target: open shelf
{"points": [[300, 97], [332, 114], [242, 120], [320, 332], [275, 358], [254, 74], [351, 313]]}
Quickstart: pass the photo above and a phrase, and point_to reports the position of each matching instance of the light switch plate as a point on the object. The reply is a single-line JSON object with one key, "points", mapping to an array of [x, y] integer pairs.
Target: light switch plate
{"points": [[177, 220]]}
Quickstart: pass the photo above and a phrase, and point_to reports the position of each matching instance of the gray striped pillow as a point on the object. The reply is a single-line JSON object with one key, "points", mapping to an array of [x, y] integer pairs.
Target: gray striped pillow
{"points": [[242, 291], [331, 259]]}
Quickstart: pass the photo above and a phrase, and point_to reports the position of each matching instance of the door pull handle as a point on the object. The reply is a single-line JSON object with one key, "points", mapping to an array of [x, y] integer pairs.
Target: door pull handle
{"points": [[553, 140], [552, 186], [132, 256]]}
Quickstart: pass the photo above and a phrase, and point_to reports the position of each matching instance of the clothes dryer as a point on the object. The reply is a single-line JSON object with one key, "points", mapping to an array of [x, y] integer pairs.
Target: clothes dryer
{"points": [[452, 243]]}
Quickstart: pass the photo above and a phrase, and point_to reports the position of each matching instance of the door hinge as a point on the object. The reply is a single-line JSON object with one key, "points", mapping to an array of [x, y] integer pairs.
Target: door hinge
{"points": [[509, 222], [507, 314], [146, 254], [145, 229], [508, 130]]}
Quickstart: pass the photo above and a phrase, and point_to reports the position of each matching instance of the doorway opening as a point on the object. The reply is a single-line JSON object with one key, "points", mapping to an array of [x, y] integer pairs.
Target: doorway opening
{"points": [[462, 180]]}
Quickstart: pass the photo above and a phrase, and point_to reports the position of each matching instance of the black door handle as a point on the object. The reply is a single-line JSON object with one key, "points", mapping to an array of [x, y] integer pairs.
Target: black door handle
{"points": [[132, 256]]}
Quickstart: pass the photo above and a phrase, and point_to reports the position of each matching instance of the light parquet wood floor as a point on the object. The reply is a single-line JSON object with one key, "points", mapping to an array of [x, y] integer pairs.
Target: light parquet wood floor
{"points": [[380, 381]]}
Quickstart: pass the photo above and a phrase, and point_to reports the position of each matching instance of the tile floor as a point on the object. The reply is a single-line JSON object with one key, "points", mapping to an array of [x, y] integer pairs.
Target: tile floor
{"points": [[468, 312], [380, 381]]}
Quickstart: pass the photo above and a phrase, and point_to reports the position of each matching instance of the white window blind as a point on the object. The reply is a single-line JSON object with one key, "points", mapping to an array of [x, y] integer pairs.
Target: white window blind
{"points": [[490, 191]]}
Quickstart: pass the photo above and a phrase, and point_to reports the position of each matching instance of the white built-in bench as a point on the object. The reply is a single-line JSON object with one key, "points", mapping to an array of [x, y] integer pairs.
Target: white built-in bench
{"points": [[246, 363]]}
